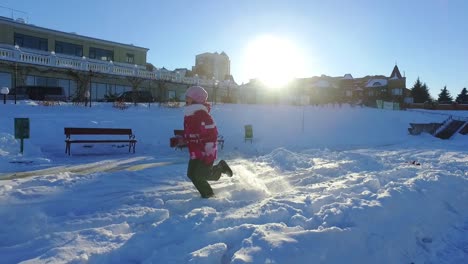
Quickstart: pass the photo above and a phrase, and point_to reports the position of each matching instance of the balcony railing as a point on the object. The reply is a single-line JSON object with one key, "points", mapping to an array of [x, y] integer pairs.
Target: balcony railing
{"points": [[51, 59]]}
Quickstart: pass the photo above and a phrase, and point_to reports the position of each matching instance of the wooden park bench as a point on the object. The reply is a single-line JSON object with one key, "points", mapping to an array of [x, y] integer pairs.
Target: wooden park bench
{"points": [[177, 142], [69, 131]]}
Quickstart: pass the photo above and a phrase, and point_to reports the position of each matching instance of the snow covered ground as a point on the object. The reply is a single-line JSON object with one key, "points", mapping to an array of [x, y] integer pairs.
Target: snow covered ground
{"points": [[322, 184]]}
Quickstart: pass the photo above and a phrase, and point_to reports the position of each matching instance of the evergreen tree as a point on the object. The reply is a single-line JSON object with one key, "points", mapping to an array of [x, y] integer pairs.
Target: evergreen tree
{"points": [[420, 92], [444, 96], [425, 91], [462, 98], [416, 91]]}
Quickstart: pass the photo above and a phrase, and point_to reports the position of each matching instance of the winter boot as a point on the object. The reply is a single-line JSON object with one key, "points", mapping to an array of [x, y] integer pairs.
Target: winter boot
{"points": [[225, 168], [206, 196]]}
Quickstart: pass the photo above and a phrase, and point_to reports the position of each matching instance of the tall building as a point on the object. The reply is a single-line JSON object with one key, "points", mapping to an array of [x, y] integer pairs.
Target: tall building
{"points": [[92, 68], [213, 66]]}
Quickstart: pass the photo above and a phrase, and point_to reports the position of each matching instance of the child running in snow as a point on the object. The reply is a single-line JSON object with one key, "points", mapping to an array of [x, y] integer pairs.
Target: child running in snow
{"points": [[201, 135]]}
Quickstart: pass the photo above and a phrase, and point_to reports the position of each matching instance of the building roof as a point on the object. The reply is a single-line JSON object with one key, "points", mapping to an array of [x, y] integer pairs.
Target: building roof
{"points": [[325, 82], [376, 83], [348, 76], [322, 84], [210, 54], [395, 73], [21, 24]]}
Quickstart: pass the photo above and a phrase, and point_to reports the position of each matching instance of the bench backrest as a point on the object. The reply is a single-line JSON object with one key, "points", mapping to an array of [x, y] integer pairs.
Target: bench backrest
{"points": [[178, 132], [97, 131]]}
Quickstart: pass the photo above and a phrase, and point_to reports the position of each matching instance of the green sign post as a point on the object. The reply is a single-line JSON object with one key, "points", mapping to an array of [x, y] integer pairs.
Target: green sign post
{"points": [[21, 130], [248, 135]]}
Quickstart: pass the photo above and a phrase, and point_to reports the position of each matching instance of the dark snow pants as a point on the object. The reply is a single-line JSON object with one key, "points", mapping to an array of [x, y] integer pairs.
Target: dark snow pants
{"points": [[200, 173]]}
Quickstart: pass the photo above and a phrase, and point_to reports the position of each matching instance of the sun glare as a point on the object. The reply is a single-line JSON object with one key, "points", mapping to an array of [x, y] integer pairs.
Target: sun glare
{"points": [[274, 61]]}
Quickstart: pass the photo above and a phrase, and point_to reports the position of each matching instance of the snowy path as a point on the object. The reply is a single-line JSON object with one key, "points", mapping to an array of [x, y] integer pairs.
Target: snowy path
{"points": [[341, 189], [282, 201], [128, 164]]}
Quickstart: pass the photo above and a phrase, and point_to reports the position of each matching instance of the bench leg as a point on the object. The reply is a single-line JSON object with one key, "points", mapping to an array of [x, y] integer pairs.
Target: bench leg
{"points": [[221, 143], [67, 148], [130, 146]]}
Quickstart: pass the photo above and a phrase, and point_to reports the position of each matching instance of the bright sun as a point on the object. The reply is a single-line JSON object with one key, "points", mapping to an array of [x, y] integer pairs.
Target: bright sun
{"points": [[274, 61]]}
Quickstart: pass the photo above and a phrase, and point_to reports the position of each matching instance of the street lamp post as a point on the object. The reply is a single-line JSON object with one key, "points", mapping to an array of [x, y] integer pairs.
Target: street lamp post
{"points": [[90, 95], [90, 84], [229, 91], [151, 92], [87, 96], [16, 72], [4, 91], [215, 93], [15, 82]]}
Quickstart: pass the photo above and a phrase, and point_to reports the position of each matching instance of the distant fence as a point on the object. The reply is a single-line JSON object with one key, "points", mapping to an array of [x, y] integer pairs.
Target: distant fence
{"points": [[436, 106], [447, 115], [388, 105]]}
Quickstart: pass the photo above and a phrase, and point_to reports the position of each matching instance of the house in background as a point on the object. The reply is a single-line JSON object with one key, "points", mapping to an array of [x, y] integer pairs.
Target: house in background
{"points": [[391, 88], [326, 89]]}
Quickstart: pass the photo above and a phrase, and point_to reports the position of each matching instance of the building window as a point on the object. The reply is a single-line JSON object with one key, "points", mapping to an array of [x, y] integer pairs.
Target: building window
{"points": [[30, 80], [101, 54], [31, 42], [68, 48], [397, 91], [99, 91], [5, 80], [41, 81], [119, 89], [171, 94], [65, 84], [130, 58]]}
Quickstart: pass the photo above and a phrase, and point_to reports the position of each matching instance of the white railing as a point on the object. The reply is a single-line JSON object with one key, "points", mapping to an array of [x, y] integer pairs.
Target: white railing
{"points": [[34, 59], [146, 74], [6, 54], [44, 58], [444, 125], [122, 71], [94, 67], [68, 63]]}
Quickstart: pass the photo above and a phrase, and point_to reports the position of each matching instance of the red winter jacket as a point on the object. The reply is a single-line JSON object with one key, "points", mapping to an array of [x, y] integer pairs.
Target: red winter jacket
{"points": [[200, 132]]}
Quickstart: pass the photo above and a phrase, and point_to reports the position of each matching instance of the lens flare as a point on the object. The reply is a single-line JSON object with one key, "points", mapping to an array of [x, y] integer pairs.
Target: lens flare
{"points": [[273, 60]]}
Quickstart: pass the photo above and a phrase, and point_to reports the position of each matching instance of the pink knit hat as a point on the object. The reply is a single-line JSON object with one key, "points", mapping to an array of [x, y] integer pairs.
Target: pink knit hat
{"points": [[197, 93]]}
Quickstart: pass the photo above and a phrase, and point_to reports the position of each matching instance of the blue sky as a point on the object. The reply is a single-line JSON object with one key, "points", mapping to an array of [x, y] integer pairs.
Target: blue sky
{"points": [[427, 39]]}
